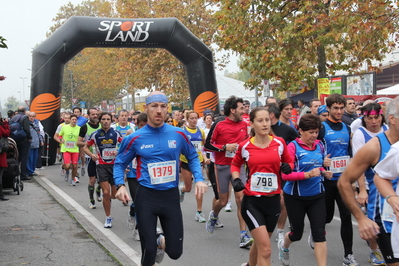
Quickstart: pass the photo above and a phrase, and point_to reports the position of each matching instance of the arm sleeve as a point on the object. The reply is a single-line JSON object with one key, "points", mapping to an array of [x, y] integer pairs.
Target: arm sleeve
{"points": [[26, 127], [125, 156], [212, 135], [83, 131], [294, 176]]}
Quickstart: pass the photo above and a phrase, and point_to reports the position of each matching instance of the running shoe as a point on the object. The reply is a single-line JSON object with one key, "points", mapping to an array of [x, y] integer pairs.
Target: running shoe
{"points": [[82, 171], [160, 251], [76, 179], [227, 208], [283, 254], [59, 157], [136, 235], [98, 194], [199, 217], [108, 222], [72, 183], [219, 224], [92, 205], [376, 258], [131, 221], [246, 241], [210, 224], [279, 235], [311, 240], [350, 261]]}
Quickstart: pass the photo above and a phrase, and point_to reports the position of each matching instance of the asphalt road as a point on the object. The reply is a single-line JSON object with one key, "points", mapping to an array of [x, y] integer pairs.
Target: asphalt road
{"points": [[200, 247]]}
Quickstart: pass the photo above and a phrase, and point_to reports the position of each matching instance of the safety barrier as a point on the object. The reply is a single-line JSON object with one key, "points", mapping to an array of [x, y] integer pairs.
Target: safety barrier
{"points": [[46, 149]]}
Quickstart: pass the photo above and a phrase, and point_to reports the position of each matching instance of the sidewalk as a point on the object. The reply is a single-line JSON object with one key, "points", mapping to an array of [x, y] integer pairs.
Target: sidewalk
{"points": [[36, 230]]}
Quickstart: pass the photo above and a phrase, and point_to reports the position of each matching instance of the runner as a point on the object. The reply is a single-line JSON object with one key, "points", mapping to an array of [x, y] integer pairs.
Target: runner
{"points": [[85, 131], [69, 148], [157, 195], [223, 139], [131, 176], [336, 137], [123, 125], [197, 138], [260, 206], [67, 120], [104, 142], [364, 160], [304, 190], [81, 121]]}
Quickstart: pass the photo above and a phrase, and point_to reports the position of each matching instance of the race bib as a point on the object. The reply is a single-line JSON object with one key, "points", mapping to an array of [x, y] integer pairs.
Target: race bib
{"points": [[387, 213], [162, 172], [70, 144], [109, 154], [197, 145], [230, 154], [264, 182], [338, 164]]}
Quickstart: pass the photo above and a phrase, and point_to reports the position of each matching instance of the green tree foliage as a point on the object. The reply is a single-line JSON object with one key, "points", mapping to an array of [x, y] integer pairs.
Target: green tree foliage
{"points": [[291, 41], [12, 103], [3, 42], [112, 70]]}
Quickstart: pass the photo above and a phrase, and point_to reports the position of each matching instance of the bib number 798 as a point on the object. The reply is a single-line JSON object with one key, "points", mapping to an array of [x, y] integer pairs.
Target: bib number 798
{"points": [[265, 181]]}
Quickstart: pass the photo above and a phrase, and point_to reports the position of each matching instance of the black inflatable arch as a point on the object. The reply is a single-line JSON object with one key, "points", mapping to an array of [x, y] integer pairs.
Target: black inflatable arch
{"points": [[50, 57]]}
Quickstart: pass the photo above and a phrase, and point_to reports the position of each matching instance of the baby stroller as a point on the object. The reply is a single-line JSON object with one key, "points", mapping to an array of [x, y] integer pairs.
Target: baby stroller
{"points": [[11, 177]]}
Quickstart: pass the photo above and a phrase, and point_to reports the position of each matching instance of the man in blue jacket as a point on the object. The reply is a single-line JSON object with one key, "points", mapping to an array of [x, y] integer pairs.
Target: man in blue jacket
{"points": [[157, 148]]}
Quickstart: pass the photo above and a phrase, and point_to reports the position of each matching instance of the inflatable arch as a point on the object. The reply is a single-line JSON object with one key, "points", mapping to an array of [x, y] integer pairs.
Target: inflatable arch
{"points": [[50, 57]]}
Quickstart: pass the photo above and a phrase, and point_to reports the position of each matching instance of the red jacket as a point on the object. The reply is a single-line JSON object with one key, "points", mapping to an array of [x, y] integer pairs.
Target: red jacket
{"points": [[4, 132]]}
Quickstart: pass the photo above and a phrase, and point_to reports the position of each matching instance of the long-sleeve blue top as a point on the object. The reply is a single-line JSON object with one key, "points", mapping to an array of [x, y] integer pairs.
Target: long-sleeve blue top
{"points": [[157, 151]]}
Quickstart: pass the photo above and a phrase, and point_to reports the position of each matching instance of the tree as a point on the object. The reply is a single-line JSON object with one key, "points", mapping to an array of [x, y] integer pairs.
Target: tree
{"points": [[114, 70], [3, 42], [292, 41], [12, 103]]}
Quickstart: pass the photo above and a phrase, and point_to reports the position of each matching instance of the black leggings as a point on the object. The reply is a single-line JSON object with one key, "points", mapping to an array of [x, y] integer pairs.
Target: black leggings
{"points": [[297, 207], [165, 205], [212, 179], [332, 194]]}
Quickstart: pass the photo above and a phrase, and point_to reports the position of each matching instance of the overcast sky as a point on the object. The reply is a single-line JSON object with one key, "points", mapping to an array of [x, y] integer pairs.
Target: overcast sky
{"points": [[24, 24]]}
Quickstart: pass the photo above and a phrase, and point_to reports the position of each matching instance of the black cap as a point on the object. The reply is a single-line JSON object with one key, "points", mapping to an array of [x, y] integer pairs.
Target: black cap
{"points": [[10, 113]]}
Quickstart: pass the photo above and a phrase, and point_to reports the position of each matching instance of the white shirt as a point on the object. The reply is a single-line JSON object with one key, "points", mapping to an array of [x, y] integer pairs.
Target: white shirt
{"points": [[388, 169], [356, 124]]}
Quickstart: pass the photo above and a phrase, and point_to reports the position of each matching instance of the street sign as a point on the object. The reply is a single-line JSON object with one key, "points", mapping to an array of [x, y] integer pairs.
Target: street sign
{"points": [[74, 100], [27, 102]]}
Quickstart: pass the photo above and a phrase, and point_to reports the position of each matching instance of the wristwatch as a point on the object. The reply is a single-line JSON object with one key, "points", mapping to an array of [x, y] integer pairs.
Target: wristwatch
{"points": [[119, 186], [224, 147]]}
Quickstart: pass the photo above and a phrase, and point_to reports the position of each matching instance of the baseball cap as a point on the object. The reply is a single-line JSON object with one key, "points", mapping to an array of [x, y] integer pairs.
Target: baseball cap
{"points": [[208, 112]]}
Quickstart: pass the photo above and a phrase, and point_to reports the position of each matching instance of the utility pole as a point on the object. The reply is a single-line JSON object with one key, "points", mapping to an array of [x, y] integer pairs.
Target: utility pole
{"points": [[23, 87]]}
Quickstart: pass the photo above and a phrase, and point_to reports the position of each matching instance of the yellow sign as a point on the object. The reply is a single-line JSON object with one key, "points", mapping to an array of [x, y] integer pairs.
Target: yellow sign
{"points": [[323, 86]]}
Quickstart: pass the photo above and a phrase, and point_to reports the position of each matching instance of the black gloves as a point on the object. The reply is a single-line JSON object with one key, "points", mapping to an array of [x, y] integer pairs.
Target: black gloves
{"points": [[285, 168], [238, 185]]}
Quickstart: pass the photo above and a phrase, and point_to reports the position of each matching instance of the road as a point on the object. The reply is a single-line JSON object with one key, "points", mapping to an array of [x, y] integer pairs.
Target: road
{"points": [[200, 247]]}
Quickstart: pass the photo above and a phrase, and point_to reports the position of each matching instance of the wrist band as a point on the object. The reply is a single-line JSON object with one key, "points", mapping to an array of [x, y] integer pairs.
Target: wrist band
{"points": [[386, 199]]}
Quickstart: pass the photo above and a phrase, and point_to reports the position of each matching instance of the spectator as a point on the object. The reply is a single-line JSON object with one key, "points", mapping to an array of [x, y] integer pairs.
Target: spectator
{"points": [[23, 145]]}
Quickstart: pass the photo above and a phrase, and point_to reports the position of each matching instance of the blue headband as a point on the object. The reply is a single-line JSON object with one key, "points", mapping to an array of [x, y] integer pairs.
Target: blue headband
{"points": [[156, 98], [321, 109]]}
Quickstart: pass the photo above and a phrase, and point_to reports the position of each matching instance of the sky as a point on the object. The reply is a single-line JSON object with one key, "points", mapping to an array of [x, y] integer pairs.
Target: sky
{"points": [[24, 25]]}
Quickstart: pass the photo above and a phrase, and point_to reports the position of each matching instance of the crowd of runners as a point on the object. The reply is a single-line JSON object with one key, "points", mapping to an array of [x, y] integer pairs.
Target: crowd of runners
{"points": [[276, 166]]}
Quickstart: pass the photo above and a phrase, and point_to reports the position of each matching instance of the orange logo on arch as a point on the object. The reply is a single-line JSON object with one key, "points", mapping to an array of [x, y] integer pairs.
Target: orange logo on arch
{"points": [[206, 100], [44, 105], [127, 25]]}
